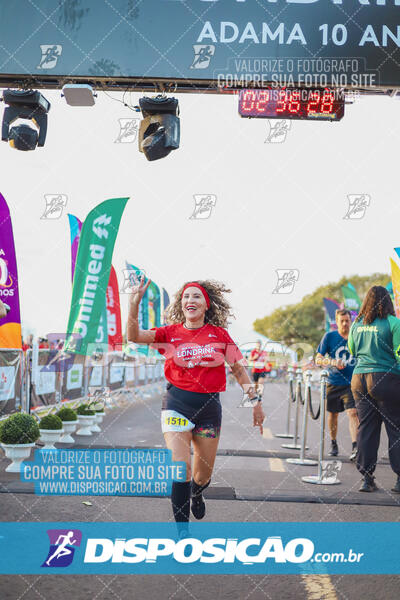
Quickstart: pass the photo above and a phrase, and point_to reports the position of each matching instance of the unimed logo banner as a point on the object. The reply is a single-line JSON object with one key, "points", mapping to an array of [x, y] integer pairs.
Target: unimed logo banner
{"points": [[215, 548]]}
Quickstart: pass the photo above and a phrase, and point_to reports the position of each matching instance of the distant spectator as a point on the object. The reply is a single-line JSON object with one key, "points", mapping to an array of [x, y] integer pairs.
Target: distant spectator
{"points": [[28, 343], [259, 371], [43, 343]]}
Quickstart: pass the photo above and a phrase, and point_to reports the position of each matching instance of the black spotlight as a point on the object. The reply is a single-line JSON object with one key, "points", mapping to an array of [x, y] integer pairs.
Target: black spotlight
{"points": [[29, 105], [159, 131]]}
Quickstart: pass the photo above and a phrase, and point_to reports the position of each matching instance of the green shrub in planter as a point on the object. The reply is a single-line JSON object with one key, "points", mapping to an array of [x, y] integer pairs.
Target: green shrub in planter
{"points": [[19, 428], [85, 411], [97, 406], [67, 414], [51, 422]]}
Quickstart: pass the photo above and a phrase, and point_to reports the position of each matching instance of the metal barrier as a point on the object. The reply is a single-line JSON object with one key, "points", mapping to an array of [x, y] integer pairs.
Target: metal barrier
{"points": [[302, 460], [141, 374], [291, 398], [73, 381], [299, 400], [130, 373], [323, 477], [47, 384], [12, 370], [115, 371], [43, 386]]}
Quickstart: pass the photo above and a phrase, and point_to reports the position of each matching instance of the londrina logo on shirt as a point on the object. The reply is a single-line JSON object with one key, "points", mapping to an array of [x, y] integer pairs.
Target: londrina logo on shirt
{"points": [[194, 354], [198, 350]]}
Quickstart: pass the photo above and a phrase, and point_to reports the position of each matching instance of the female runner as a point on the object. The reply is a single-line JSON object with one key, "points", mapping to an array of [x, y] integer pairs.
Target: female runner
{"points": [[195, 345]]}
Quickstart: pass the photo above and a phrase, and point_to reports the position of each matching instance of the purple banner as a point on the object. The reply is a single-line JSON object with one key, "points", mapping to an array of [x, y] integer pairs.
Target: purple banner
{"points": [[10, 325]]}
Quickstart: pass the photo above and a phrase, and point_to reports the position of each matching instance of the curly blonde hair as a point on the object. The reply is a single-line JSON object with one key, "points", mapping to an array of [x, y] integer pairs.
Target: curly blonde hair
{"points": [[218, 313]]}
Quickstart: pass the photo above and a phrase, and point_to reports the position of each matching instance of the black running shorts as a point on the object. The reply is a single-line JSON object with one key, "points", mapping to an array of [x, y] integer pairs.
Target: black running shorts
{"points": [[339, 398], [204, 410], [257, 376]]}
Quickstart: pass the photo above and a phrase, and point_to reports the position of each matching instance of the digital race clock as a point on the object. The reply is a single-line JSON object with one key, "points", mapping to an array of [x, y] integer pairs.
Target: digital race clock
{"points": [[292, 103]]}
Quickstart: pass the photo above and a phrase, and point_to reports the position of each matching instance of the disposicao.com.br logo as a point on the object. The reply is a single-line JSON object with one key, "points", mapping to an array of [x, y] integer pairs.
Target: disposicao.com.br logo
{"points": [[165, 551], [191, 550], [214, 548]]}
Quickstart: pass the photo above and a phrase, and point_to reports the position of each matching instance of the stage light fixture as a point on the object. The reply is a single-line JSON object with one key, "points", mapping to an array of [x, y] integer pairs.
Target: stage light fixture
{"points": [[78, 94], [24, 104], [159, 132]]}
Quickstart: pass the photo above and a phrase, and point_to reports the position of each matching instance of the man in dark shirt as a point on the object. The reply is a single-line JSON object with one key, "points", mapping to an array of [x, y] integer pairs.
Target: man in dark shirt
{"points": [[333, 353]]}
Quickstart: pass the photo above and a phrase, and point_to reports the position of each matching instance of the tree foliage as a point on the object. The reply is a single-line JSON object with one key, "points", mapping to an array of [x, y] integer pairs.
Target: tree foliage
{"points": [[305, 321]]}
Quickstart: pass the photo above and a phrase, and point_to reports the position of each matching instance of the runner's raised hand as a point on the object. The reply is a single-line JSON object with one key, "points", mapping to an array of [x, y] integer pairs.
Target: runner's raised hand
{"points": [[138, 291]]}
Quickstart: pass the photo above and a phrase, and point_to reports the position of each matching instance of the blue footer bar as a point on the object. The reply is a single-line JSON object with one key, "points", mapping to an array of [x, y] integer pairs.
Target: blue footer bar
{"points": [[215, 548]]}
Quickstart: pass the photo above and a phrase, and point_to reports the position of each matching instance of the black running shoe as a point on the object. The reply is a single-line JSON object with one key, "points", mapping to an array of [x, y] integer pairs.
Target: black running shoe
{"points": [[334, 448], [353, 454], [198, 506], [368, 484], [396, 488]]}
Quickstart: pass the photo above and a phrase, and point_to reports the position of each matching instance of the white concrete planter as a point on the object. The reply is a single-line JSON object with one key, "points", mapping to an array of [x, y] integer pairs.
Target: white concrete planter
{"points": [[99, 418], [17, 453], [50, 437], [85, 422], [69, 427]]}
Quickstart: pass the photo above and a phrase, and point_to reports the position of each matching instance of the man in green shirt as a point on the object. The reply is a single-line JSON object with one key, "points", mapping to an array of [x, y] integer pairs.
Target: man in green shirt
{"points": [[374, 341]]}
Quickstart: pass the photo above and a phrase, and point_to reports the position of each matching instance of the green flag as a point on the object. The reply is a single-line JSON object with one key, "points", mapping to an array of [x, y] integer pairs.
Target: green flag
{"points": [[92, 273], [138, 273], [154, 305], [351, 298], [143, 313]]}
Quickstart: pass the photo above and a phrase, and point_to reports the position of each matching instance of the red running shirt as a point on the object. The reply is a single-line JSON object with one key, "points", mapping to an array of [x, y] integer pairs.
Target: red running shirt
{"points": [[195, 359], [258, 358]]}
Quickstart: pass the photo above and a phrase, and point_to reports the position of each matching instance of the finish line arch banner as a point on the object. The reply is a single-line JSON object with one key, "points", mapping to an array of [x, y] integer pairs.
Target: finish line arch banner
{"points": [[349, 42]]}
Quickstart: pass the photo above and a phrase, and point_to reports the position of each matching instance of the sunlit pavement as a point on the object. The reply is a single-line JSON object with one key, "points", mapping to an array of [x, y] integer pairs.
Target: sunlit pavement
{"points": [[249, 466]]}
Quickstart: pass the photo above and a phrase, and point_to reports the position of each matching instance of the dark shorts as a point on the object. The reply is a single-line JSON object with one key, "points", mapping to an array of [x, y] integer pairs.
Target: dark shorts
{"points": [[256, 376], [339, 398], [204, 410]]}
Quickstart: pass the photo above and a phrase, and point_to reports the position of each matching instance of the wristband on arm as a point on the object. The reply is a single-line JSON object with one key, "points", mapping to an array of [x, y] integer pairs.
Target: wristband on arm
{"points": [[257, 399]]}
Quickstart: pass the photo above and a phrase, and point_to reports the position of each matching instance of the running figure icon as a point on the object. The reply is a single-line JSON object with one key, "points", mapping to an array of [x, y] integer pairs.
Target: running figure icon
{"points": [[62, 549]]}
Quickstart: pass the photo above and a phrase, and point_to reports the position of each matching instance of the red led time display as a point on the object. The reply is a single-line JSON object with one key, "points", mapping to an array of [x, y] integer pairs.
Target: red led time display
{"points": [[292, 103]]}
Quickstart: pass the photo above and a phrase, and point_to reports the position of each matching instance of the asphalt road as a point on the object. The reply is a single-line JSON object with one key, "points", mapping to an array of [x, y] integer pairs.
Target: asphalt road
{"points": [[252, 482]]}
